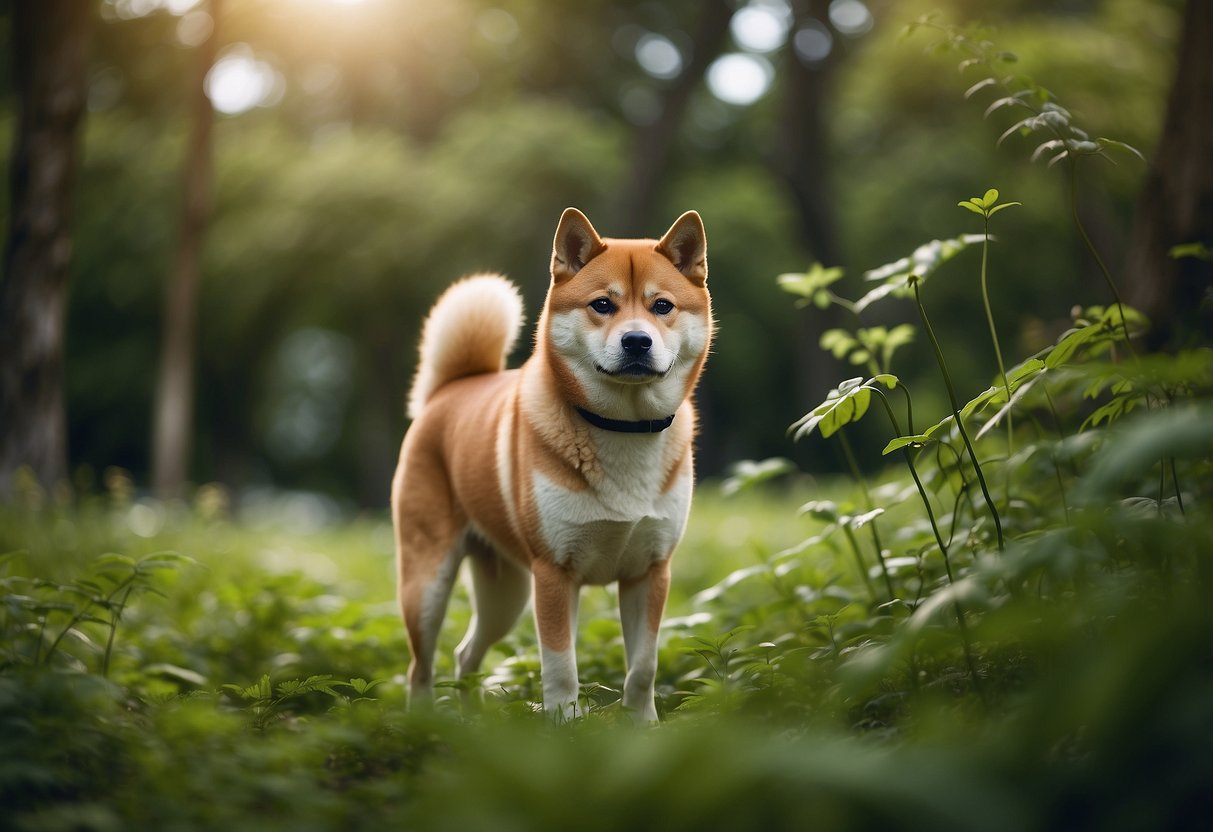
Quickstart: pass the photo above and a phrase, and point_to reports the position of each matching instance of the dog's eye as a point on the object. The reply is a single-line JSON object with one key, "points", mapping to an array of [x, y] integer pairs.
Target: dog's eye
{"points": [[602, 306], [662, 307]]}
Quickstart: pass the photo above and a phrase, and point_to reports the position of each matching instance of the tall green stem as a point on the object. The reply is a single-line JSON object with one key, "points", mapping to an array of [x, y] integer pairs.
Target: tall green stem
{"points": [[964, 434], [922, 491], [1002, 370], [943, 549], [867, 500], [863, 570], [109, 642]]}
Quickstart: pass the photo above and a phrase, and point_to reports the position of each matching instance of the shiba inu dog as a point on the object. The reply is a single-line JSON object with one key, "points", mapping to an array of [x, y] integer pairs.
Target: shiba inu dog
{"points": [[574, 469]]}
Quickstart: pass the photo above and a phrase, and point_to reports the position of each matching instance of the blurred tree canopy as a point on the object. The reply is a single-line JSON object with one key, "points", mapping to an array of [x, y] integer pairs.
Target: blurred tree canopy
{"points": [[369, 152]]}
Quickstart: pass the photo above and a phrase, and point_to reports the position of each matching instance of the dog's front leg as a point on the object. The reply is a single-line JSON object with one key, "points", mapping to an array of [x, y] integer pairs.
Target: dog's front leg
{"points": [[556, 596], [641, 604]]}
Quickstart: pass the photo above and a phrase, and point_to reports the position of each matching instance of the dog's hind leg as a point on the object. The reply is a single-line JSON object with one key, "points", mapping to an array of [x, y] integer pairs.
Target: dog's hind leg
{"points": [[500, 591], [429, 549]]}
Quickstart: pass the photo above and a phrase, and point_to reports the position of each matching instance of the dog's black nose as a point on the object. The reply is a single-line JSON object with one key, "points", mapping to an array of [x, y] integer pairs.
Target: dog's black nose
{"points": [[636, 343]]}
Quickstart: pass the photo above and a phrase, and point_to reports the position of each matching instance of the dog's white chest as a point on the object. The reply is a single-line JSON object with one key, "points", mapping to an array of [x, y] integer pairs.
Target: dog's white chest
{"points": [[608, 534]]}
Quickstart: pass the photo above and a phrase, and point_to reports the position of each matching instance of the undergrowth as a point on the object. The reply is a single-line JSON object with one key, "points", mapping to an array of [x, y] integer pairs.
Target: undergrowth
{"points": [[1009, 628]]}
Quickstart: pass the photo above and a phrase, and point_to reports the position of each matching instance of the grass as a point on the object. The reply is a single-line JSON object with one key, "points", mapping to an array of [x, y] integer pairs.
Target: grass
{"points": [[787, 695]]}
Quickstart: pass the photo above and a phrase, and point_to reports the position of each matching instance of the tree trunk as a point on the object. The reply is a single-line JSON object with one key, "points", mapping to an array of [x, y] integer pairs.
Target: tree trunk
{"points": [[1176, 202], [173, 414], [50, 44], [802, 161], [654, 142], [803, 151]]}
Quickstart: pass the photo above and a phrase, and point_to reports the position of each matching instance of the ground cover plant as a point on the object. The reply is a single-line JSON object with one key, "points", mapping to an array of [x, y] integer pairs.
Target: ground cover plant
{"points": [[1008, 627]]}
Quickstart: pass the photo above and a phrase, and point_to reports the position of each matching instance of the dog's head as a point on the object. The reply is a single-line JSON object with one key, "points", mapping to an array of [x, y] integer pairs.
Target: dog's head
{"points": [[629, 320]]}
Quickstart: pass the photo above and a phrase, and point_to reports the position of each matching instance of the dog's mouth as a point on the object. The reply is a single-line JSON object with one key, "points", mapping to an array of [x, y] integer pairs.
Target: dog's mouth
{"points": [[632, 371]]}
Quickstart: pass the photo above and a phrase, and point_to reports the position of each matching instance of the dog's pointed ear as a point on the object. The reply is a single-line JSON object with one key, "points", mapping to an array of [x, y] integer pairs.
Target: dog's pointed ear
{"points": [[576, 244], [686, 246]]}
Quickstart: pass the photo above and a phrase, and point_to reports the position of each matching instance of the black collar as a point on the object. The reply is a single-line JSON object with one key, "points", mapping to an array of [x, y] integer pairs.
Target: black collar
{"points": [[621, 426]]}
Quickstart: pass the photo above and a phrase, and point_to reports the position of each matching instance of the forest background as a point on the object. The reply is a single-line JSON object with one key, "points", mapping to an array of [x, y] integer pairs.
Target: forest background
{"points": [[363, 155]]}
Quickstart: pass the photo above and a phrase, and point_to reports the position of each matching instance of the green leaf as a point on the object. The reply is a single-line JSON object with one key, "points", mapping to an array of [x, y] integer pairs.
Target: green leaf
{"points": [[1048, 147], [898, 336], [362, 686], [821, 510], [1105, 328], [1024, 371], [1018, 391], [1007, 101], [845, 404], [166, 560], [1056, 114], [1135, 446], [924, 260], [990, 197], [979, 86], [1024, 127], [1187, 370], [1111, 411], [849, 384], [810, 421], [34, 605], [838, 342], [1070, 342], [998, 208], [915, 441], [261, 690], [112, 561], [1198, 250], [860, 520], [747, 474], [850, 408], [980, 401], [880, 292], [972, 207], [181, 674], [809, 283], [1127, 148]]}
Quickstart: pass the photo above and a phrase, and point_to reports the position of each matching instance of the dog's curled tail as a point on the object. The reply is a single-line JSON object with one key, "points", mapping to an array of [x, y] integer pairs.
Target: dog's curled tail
{"points": [[470, 330]]}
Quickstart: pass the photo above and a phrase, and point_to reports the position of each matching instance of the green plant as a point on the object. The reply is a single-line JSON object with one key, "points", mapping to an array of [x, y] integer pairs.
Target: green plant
{"points": [[42, 615], [1064, 140], [915, 281], [268, 702], [986, 206]]}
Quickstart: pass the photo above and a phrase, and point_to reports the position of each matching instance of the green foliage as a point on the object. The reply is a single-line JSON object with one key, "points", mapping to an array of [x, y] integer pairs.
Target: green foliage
{"points": [[867, 344], [894, 278], [783, 678], [1073, 499], [812, 286], [55, 624], [846, 403], [1017, 90], [748, 474], [266, 701]]}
